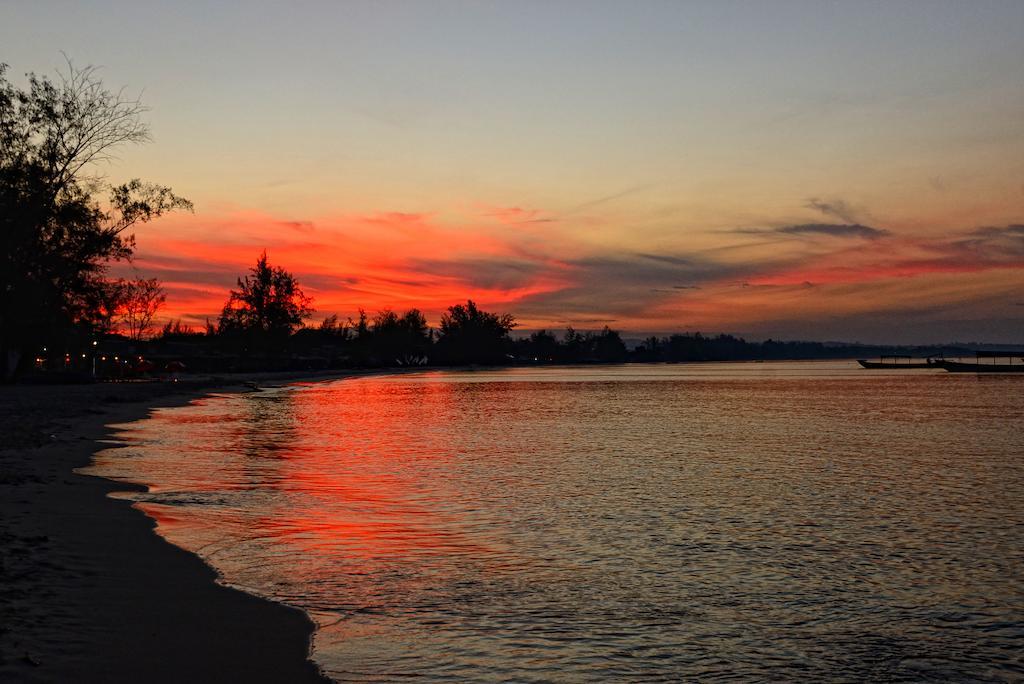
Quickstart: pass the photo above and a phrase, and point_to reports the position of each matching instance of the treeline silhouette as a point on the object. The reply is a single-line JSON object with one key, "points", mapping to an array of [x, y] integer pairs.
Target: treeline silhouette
{"points": [[263, 327], [469, 336], [543, 346], [62, 225], [698, 347]]}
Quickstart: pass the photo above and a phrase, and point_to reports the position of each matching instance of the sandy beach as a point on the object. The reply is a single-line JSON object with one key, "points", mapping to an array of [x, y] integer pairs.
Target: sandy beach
{"points": [[88, 591]]}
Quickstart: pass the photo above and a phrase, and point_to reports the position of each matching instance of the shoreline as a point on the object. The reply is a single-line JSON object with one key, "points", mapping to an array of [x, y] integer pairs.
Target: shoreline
{"points": [[89, 591]]}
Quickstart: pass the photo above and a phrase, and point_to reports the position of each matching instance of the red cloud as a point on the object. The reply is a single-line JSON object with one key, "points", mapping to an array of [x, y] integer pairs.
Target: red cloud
{"points": [[402, 260], [347, 262]]}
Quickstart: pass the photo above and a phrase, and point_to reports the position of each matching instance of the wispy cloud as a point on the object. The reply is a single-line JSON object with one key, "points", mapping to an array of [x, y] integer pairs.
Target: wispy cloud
{"points": [[971, 251], [999, 242], [300, 226], [837, 230], [834, 230], [604, 199], [835, 208], [850, 227]]}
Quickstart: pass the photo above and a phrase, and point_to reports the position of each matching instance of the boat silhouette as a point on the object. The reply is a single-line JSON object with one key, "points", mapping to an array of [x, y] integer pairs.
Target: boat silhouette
{"points": [[981, 365], [898, 362]]}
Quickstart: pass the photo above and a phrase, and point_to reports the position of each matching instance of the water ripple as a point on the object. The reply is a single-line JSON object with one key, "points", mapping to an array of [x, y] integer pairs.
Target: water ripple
{"points": [[719, 522]]}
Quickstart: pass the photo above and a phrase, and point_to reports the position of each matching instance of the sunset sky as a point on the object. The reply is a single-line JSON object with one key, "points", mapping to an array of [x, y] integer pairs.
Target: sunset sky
{"points": [[803, 170]]}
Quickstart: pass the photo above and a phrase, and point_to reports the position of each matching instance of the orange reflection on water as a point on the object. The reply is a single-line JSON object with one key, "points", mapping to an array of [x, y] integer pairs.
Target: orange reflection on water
{"points": [[334, 481], [591, 524], [360, 495]]}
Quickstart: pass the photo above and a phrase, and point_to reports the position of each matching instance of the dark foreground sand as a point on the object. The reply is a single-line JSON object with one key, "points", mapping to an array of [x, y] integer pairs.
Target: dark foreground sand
{"points": [[88, 592]]}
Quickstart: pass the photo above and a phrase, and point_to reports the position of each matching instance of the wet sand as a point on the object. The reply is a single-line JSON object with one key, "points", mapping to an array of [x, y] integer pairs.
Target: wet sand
{"points": [[88, 592]]}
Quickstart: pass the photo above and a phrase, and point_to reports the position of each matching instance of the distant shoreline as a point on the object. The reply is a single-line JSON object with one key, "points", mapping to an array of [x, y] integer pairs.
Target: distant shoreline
{"points": [[91, 592]]}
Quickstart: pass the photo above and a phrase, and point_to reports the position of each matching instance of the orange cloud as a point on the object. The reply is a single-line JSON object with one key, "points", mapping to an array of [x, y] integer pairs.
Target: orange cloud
{"points": [[384, 260], [551, 278], [979, 250]]}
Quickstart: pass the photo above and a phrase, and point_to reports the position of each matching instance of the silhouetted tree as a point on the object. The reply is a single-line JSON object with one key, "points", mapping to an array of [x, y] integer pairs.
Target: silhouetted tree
{"points": [[361, 326], [648, 350], [330, 342], [469, 335], [176, 330], [360, 346], [414, 323], [102, 303], [140, 299], [55, 237], [331, 331], [404, 339], [268, 306], [574, 345], [543, 346], [330, 324], [607, 346]]}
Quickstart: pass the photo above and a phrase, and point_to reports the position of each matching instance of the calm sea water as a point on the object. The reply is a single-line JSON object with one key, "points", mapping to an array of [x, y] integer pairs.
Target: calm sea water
{"points": [[657, 523]]}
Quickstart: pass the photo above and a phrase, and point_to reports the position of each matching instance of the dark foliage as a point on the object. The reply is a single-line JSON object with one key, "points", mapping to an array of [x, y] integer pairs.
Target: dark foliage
{"points": [[139, 300], [470, 335], [401, 340], [56, 238], [605, 346], [266, 309], [698, 347]]}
